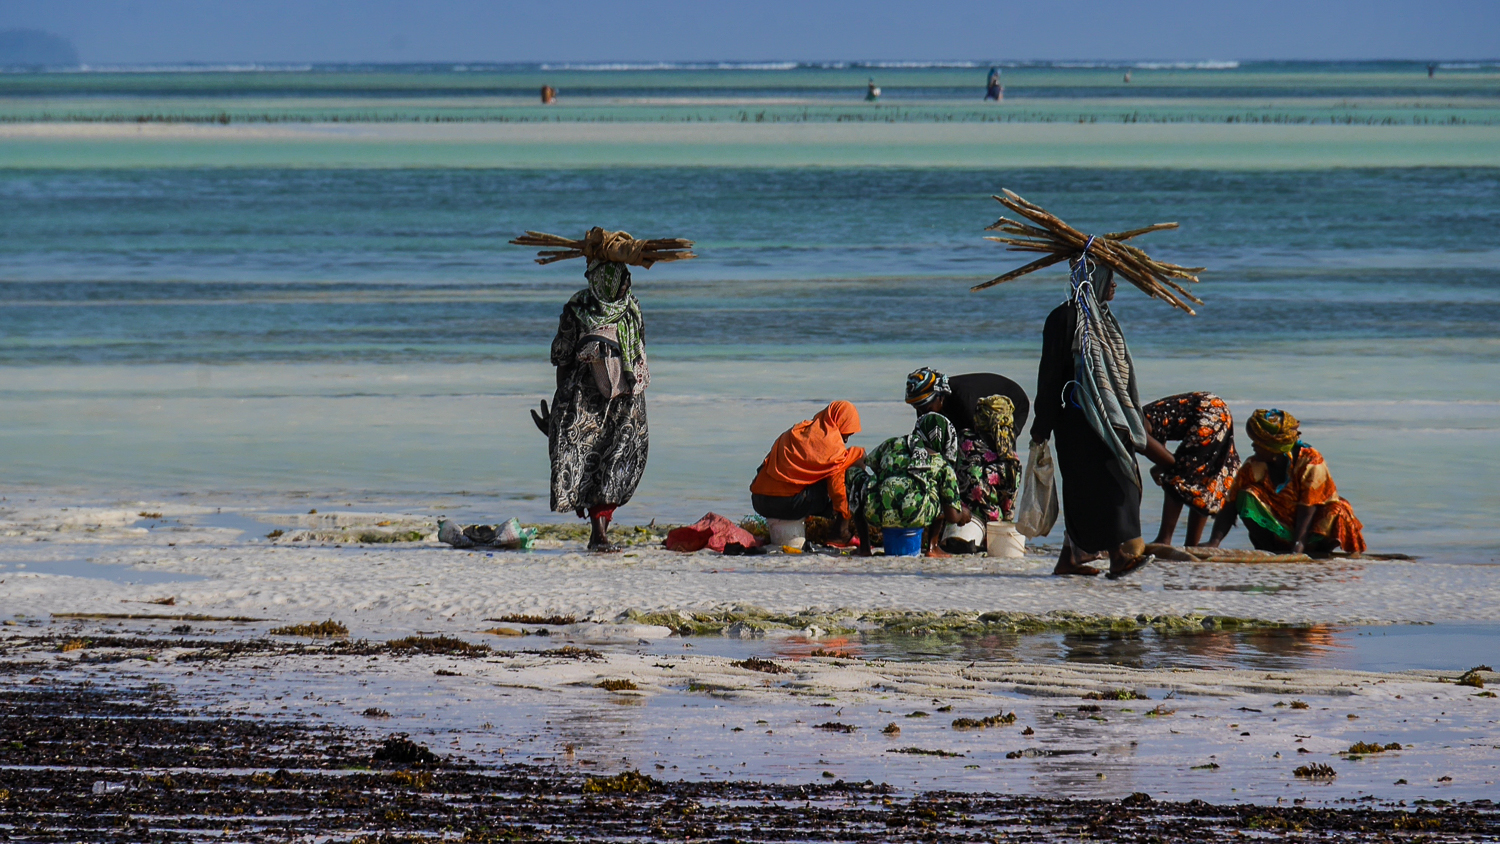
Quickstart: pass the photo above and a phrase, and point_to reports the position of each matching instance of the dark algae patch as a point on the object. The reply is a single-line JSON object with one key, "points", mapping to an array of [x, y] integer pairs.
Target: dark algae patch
{"points": [[835, 727], [766, 666], [984, 723], [241, 779], [1361, 748], [437, 645], [329, 629], [1315, 771], [399, 749]]}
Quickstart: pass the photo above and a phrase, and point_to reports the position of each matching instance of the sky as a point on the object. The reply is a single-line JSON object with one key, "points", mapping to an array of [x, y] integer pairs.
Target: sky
{"points": [[232, 31]]}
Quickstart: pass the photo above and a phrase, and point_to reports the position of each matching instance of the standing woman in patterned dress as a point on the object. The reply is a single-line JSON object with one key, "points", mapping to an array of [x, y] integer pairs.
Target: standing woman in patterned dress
{"points": [[596, 428], [596, 435], [1202, 469]]}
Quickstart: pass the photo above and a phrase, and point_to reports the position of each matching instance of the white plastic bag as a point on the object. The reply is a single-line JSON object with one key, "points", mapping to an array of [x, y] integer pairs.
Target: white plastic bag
{"points": [[1037, 512]]}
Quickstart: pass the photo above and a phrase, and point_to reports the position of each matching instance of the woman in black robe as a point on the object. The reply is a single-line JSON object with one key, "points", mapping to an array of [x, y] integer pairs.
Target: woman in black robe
{"points": [[596, 428], [1081, 392]]}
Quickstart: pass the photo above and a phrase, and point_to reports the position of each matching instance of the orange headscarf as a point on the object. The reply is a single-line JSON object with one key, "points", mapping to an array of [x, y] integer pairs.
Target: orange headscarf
{"points": [[811, 451]]}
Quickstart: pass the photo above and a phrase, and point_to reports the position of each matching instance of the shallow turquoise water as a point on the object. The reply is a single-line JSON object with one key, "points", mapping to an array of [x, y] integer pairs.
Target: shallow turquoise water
{"points": [[227, 334]]}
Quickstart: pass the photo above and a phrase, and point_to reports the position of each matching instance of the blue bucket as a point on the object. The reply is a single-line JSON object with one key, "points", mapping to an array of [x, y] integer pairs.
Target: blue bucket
{"points": [[902, 542]]}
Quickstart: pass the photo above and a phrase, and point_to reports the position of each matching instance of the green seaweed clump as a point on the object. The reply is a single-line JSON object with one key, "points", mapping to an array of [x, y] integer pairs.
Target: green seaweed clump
{"points": [[984, 723], [1115, 694], [835, 727], [1471, 677], [1317, 771], [625, 782], [1361, 748], [437, 645], [329, 629], [617, 686]]}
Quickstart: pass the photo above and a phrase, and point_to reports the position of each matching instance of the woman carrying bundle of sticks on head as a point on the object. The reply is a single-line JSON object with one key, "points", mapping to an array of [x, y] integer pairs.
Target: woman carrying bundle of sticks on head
{"points": [[1086, 387], [1086, 396], [596, 427]]}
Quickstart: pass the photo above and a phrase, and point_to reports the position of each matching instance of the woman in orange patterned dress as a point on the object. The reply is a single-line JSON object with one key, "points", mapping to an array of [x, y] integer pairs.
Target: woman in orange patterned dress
{"points": [[1204, 463], [1285, 495]]}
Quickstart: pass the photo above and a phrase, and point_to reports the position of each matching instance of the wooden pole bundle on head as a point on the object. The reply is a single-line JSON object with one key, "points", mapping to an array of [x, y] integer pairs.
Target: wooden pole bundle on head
{"points": [[607, 246], [1060, 242]]}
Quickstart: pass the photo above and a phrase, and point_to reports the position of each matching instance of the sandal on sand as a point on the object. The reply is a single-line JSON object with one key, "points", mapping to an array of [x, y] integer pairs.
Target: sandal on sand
{"points": [[1077, 570], [1138, 562]]}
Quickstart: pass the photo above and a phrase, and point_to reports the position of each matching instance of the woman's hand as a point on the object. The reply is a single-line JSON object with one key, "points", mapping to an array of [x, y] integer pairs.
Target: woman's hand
{"points": [[544, 419]]}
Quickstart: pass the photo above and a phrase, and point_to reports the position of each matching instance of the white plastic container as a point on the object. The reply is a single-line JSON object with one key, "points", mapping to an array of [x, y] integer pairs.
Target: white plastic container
{"points": [[970, 531], [787, 532], [1003, 541]]}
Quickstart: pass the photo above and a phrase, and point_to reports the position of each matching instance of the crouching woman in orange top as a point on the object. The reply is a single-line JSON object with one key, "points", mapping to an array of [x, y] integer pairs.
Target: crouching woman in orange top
{"points": [[804, 473], [1285, 495]]}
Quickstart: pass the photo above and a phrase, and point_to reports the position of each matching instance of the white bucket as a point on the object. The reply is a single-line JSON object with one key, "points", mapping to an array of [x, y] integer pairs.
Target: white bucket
{"points": [[791, 532], [1003, 541], [970, 531]]}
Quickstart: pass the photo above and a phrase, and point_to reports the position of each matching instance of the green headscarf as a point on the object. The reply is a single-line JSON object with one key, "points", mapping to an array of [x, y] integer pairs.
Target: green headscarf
{"points": [[608, 302], [934, 436]]}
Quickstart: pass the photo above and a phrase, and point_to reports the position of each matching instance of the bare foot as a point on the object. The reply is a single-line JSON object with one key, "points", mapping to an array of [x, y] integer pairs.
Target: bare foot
{"points": [[604, 548], [935, 551]]}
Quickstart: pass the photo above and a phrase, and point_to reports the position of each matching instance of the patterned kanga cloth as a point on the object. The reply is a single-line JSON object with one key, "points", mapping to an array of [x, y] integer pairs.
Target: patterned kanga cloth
{"points": [[1307, 483], [908, 481], [1206, 458]]}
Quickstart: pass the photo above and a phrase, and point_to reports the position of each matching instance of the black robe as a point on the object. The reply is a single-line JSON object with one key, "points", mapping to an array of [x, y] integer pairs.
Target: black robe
{"points": [[967, 390], [1101, 507]]}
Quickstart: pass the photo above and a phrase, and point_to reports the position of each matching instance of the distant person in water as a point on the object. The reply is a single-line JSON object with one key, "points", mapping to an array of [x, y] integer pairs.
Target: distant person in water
{"points": [[1285, 495], [1127, 77], [1431, 70], [549, 95], [1202, 469], [872, 91], [596, 427], [804, 473], [993, 90]]}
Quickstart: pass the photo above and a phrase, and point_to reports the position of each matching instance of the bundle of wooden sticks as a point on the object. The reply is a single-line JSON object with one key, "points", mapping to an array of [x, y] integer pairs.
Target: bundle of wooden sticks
{"points": [[1061, 241], [607, 245]]}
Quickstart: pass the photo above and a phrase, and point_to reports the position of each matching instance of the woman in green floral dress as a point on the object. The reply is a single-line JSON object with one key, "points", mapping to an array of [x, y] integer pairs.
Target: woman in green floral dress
{"points": [[910, 482]]}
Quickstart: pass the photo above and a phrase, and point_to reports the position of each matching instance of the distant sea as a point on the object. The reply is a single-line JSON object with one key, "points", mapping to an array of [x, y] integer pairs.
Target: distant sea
{"points": [[277, 334]]}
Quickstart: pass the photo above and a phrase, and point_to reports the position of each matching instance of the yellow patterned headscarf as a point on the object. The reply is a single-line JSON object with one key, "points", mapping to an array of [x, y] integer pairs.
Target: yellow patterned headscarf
{"points": [[1274, 430], [995, 416]]}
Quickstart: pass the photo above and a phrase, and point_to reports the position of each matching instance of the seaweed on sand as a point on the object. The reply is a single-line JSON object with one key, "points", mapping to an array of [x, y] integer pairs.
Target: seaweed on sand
{"points": [[1361, 748], [1316, 770], [755, 663], [922, 751], [1115, 694], [321, 630], [625, 782], [515, 618], [835, 727], [436, 645], [984, 723], [399, 749], [617, 686]]}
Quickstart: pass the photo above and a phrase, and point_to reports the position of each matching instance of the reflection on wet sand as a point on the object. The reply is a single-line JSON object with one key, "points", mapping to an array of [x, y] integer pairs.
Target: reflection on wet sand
{"points": [[1269, 649]]}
